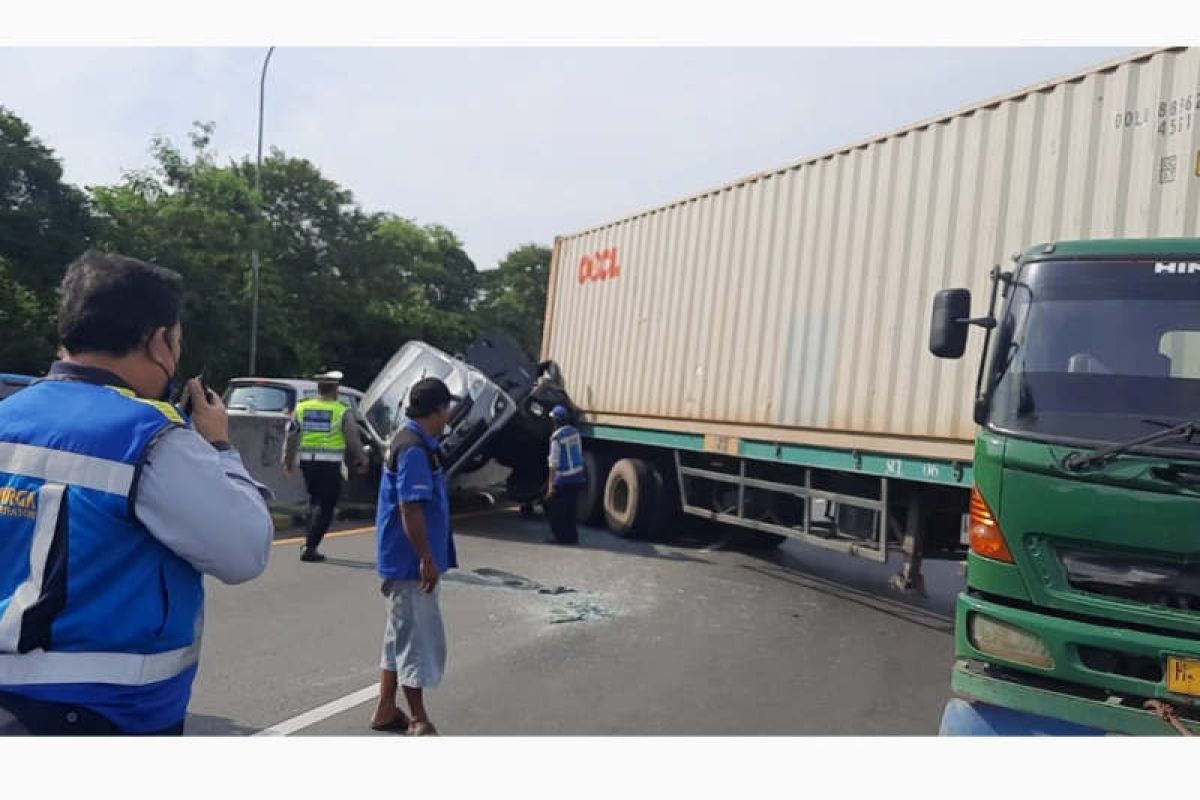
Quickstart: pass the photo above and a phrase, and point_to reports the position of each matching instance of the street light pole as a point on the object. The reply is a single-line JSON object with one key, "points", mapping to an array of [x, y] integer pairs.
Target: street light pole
{"points": [[262, 86]]}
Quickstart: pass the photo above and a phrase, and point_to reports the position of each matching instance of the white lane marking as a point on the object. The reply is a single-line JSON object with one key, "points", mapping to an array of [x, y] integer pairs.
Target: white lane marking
{"points": [[335, 707], [321, 713]]}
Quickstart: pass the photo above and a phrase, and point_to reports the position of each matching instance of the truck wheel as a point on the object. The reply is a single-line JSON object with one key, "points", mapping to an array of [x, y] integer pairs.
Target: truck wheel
{"points": [[590, 510], [629, 498], [667, 511]]}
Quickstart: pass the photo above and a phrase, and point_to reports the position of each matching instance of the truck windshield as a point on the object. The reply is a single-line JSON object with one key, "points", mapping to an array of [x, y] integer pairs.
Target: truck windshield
{"points": [[386, 413], [1088, 351]]}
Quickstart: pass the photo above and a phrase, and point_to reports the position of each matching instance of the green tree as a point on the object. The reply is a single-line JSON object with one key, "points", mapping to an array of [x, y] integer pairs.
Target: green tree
{"points": [[514, 296], [26, 335], [195, 217], [44, 222], [355, 285], [309, 233], [448, 272], [340, 287]]}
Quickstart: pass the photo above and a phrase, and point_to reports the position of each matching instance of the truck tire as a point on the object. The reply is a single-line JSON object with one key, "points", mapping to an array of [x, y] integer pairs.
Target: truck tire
{"points": [[667, 507], [590, 510], [629, 502]]}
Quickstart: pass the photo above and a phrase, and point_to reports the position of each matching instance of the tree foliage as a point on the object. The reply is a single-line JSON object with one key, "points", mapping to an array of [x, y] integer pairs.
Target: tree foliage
{"points": [[340, 287], [44, 222], [514, 295], [26, 338]]}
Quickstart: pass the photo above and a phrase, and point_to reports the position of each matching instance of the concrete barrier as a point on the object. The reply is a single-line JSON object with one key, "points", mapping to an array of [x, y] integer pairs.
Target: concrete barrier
{"points": [[260, 438]]}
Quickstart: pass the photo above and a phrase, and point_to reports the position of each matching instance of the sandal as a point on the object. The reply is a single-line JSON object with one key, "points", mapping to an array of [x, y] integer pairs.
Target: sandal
{"points": [[399, 724], [416, 728]]}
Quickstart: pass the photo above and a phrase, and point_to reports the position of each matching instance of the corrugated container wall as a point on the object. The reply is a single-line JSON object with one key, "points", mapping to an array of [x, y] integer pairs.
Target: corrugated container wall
{"points": [[796, 303]]}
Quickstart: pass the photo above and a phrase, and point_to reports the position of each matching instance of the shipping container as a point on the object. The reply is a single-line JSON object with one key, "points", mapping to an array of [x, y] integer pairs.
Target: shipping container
{"points": [[791, 305], [757, 353]]}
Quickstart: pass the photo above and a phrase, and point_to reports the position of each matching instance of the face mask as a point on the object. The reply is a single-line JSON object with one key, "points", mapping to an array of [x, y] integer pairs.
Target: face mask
{"points": [[172, 386], [170, 390]]}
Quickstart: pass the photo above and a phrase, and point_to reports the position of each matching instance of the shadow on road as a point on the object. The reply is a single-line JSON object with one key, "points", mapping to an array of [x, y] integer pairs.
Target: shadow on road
{"points": [[350, 562], [893, 608], [511, 527]]}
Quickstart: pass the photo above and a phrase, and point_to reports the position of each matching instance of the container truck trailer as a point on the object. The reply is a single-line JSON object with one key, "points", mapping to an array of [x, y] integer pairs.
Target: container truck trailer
{"points": [[756, 354]]}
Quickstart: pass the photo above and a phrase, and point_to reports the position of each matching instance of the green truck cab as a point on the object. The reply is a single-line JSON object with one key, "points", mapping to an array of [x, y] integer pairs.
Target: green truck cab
{"points": [[1082, 600]]}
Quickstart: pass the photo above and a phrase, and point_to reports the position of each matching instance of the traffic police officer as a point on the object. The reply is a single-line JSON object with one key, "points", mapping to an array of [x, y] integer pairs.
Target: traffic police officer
{"points": [[567, 477], [322, 433]]}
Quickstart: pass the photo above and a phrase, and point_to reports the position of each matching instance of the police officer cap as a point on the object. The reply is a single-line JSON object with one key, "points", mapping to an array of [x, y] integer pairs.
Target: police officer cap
{"points": [[332, 376]]}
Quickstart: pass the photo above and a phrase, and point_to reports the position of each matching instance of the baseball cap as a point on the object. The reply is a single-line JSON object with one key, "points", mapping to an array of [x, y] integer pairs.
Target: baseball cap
{"points": [[333, 376], [427, 395]]}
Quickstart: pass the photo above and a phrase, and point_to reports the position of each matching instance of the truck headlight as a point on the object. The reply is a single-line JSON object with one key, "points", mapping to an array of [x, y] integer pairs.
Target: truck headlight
{"points": [[999, 639]]}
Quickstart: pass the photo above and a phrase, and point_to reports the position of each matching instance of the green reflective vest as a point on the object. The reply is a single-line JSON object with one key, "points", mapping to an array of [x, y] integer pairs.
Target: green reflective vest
{"points": [[320, 423]]}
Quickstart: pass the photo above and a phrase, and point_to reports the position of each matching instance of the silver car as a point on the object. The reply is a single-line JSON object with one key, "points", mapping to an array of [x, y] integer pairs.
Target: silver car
{"points": [[260, 410]]}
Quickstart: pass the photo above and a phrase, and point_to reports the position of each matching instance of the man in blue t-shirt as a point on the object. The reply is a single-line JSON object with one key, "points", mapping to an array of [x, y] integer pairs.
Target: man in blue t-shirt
{"points": [[567, 477], [415, 546]]}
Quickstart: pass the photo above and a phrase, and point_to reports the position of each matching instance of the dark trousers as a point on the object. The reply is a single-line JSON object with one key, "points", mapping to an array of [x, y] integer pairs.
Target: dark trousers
{"points": [[22, 716], [323, 479], [560, 510]]}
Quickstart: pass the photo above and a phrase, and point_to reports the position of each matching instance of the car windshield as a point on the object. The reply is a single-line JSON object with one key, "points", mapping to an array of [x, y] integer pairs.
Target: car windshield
{"points": [[1089, 351], [259, 398], [410, 365]]}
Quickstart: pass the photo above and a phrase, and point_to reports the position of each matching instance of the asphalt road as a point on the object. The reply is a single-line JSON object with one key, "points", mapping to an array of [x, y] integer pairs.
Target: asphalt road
{"points": [[610, 638]]}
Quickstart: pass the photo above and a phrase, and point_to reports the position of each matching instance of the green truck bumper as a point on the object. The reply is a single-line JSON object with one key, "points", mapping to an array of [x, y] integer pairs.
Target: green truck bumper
{"points": [[973, 685]]}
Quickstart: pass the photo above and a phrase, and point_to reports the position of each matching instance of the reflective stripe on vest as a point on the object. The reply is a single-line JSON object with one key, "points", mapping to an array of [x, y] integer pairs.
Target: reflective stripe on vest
{"points": [[49, 503], [122, 669], [72, 469], [320, 424], [87, 594], [321, 455]]}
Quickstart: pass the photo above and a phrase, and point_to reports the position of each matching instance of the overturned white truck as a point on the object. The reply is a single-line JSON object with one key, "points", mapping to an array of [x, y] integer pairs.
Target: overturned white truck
{"points": [[503, 419]]}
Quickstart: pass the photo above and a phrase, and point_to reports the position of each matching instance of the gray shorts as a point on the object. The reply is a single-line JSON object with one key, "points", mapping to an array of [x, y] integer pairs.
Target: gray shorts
{"points": [[414, 641]]}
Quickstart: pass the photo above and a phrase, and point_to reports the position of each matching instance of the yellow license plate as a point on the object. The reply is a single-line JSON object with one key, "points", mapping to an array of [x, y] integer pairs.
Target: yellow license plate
{"points": [[1183, 675]]}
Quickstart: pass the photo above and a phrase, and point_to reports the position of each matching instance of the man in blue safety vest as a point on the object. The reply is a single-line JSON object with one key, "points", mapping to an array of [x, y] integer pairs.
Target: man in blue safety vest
{"points": [[567, 476], [113, 505]]}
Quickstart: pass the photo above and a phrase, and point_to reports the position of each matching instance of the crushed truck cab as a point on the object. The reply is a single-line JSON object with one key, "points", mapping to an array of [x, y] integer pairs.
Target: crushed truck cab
{"points": [[503, 418]]}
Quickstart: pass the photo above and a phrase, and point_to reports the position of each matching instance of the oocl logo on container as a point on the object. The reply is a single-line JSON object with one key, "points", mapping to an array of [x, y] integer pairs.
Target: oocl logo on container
{"points": [[602, 265]]}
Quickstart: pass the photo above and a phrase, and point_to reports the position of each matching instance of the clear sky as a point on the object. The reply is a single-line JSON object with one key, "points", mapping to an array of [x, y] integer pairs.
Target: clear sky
{"points": [[507, 145]]}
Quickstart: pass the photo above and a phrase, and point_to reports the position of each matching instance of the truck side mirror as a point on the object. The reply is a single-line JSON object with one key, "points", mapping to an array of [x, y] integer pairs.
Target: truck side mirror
{"points": [[983, 407], [950, 323]]}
